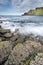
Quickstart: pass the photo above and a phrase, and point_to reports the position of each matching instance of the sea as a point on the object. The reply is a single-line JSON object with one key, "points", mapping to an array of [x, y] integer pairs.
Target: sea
{"points": [[25, 24]]}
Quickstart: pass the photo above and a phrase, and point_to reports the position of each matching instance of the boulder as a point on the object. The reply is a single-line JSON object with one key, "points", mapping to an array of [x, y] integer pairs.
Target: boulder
{"points": [[1, 21], [8, 35], [18, 55], [19, 38], [22, 51], [3, 31], [5, 49], [36, 46]]}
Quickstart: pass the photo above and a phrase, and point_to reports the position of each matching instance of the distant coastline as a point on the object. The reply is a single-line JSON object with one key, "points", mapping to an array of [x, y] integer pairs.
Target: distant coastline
{"points": [[36, 12]]}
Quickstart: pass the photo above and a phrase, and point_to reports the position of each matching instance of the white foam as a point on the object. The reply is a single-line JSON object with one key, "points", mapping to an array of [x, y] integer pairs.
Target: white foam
{"points": [[27, 28], [33, 30]]}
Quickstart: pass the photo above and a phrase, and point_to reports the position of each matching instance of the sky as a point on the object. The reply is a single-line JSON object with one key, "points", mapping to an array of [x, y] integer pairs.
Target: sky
{"points": [[17, 7]]}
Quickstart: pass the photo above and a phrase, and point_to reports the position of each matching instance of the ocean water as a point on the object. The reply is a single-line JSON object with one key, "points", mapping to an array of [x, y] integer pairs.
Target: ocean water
{"points": [[25, 24]]}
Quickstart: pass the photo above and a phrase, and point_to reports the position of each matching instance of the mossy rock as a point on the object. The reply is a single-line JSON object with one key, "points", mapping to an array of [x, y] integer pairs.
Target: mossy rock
{"points": [[3, 43]]}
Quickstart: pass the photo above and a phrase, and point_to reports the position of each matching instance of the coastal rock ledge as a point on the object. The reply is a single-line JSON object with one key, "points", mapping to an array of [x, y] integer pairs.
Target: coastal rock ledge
{"points": [[18, 49]]}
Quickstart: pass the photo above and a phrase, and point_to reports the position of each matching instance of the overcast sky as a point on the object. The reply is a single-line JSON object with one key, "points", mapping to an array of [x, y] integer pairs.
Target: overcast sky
{"points": [[15, 7]]}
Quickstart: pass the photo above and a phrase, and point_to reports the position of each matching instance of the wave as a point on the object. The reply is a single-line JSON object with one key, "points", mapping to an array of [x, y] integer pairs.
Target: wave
{"points": [[24, 28]]}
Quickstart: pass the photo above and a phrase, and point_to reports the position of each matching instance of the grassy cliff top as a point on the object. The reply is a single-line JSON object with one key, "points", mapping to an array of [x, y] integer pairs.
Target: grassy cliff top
{"points": [[37, 12]]}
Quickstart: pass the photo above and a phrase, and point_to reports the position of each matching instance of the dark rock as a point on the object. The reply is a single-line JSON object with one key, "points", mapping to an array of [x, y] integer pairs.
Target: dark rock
{"points": [[1, 22], [16, 31], [14, 38], [2, 38], [3, 31], [0, 26]]}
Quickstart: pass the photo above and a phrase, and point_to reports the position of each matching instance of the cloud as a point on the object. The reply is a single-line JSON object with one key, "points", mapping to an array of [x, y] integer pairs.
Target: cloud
{"points": [[4, 5], [4, 1], [16, 2], [23, 5], [19, 5]]}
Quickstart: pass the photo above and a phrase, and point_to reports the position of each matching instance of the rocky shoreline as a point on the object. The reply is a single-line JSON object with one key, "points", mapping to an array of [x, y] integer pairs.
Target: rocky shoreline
{"points": [[18, 49]]}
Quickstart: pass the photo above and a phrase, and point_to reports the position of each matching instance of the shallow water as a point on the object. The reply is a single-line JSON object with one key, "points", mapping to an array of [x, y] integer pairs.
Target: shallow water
{"points": [[25, 24]]}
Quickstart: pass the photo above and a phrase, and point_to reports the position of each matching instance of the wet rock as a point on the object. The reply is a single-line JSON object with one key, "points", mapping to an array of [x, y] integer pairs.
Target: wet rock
{"points": [[0, 26], [14, 37], [1, 22], [19, 38], [3, 31], [17, 30], [8, 35], [41, 39], [5, 34]]}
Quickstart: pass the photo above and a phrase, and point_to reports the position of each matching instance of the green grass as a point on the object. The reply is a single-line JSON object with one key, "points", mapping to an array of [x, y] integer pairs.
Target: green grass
{"points": [[38, 12]]}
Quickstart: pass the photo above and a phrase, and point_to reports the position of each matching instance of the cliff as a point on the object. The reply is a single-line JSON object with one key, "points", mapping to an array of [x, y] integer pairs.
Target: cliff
{"points": [[37, 12]]}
